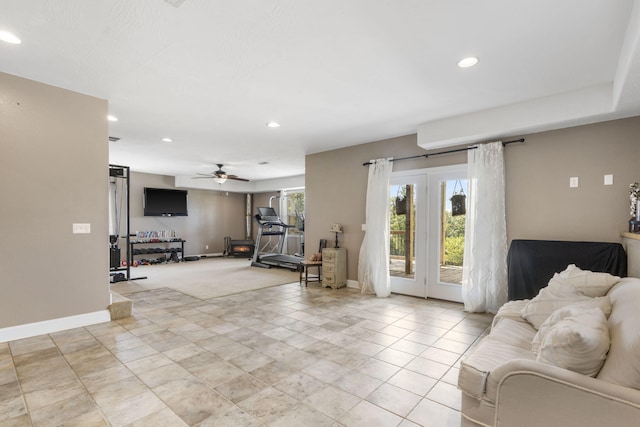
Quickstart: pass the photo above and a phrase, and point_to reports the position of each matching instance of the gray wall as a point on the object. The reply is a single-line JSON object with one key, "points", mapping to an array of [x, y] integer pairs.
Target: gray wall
{"points": [[53, 161], [540, 204], [213, 215]]}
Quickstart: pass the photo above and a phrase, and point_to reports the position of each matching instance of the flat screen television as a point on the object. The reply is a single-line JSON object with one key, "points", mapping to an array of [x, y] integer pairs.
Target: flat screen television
{"points": [[165, 202]]}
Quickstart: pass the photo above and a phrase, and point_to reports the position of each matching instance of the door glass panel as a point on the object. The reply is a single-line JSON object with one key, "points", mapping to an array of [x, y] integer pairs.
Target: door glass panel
{"points": [[292, 202], [452, 224], [402, 226]]}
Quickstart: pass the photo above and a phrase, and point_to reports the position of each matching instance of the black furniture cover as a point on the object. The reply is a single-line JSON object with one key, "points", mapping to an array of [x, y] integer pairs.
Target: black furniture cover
{"points": [[531, 263]]}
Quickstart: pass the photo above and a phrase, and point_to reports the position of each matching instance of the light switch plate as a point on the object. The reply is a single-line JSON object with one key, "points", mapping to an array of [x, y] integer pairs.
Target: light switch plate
{"points": [[81, 228], [573, 182], [608, 180]]}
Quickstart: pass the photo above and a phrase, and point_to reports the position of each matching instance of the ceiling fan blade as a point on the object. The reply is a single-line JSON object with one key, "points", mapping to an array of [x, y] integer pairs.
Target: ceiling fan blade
{"points": [[219, 174]]}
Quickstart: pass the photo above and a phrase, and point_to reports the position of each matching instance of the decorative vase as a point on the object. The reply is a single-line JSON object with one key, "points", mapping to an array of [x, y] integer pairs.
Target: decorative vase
{"points": [[634, 225]]}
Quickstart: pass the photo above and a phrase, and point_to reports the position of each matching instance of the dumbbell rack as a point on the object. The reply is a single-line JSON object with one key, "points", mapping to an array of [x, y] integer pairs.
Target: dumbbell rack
{"points": [[166, 248]]}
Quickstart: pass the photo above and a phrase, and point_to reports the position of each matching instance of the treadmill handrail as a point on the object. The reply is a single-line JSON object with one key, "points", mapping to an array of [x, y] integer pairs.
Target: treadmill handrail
{"points": [[271, 222]]}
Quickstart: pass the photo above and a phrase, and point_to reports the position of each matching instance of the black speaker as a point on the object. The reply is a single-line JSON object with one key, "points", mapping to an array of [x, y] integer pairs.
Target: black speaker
{"points": [[114, 255], [118, 277]]}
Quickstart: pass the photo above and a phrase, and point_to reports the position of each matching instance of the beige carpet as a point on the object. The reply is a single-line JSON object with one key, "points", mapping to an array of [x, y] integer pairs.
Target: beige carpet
{"points": [[209, 277]]}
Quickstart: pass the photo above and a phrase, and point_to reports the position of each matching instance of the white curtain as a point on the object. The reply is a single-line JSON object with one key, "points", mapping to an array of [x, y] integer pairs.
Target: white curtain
{"points": [[373, 264], [484, 273]]}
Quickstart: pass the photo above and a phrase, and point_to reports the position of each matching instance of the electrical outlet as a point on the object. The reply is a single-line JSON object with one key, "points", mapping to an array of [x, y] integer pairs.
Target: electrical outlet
{"points": [[206, 247]]}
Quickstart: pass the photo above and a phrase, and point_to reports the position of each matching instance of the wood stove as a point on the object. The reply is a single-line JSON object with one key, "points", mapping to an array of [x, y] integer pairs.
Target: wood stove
{"points": [[241, 248]]}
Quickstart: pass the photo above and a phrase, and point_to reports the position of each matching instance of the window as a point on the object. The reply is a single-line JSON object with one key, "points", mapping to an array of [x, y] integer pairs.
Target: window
{"points": [[292, 203]]}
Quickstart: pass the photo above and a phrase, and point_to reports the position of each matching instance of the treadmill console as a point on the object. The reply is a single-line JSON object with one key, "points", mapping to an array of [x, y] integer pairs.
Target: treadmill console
{"points": [[268, 215]]}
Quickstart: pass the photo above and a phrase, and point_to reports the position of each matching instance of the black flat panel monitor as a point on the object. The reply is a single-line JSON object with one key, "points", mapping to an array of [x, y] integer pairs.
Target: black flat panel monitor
{"points": [[165, 202]]}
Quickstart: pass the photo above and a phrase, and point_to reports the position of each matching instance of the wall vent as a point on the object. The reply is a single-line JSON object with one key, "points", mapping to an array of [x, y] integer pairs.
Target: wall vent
{"points": [[113, 139]]}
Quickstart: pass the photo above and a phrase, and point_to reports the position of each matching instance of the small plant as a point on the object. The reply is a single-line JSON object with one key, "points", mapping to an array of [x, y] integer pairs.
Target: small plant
{"points": [[454, 250], [454, 239]]}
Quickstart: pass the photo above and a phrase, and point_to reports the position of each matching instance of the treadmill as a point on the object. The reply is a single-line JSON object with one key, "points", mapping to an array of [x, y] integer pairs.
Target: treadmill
{"points": [[270, 225]]}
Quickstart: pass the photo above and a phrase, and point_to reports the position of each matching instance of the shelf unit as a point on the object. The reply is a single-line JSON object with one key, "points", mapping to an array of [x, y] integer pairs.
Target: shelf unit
{"points": [[165, 249]]}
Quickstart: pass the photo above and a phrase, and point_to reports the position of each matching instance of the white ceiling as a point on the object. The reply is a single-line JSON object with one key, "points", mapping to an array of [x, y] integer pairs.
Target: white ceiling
{"points": [[210, 74]]}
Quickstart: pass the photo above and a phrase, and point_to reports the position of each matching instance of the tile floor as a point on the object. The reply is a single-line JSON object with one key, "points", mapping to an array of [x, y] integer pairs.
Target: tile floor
{"points": [[281, 356]]}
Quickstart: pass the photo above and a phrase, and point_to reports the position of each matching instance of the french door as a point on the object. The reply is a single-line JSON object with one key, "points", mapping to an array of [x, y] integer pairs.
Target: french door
{"points": [[407, 234], [427, 233]]}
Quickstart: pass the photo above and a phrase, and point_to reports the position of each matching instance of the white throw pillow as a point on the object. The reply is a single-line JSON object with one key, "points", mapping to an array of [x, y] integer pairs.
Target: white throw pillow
{"points": [[575, 338], [540, 308], [568, 311], [575, 281]]}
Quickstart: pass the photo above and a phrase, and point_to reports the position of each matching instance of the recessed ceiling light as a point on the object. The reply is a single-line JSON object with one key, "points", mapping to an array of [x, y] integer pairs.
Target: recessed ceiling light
{"points": [[167, 140], [467, 62], [112, 118], [9, 38], [273, 124]]}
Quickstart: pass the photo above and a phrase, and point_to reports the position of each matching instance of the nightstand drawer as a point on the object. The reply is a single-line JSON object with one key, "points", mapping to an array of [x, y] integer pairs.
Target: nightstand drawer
{"points": [[329, 278], [328, 256], [328, 268]]}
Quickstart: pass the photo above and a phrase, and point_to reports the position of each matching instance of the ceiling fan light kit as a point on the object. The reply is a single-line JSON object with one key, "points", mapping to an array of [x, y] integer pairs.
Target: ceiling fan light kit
{"points": [[220, 176]]}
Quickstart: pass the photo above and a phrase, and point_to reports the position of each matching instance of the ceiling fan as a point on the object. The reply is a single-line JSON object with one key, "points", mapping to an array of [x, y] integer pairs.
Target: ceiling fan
{"points": [[220, 176]]}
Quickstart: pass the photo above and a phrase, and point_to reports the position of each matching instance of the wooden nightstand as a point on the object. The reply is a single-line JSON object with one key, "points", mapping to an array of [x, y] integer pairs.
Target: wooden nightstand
{"points": [[334, 267]]}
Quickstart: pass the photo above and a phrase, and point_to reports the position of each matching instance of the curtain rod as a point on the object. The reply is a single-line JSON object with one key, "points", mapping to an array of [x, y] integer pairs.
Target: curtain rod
{"points": [[473, 147]]}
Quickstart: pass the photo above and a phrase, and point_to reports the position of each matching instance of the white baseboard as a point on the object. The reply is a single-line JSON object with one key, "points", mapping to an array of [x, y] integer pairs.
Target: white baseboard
{"points": [[211, 255], [353, 284], [28, 330]]}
